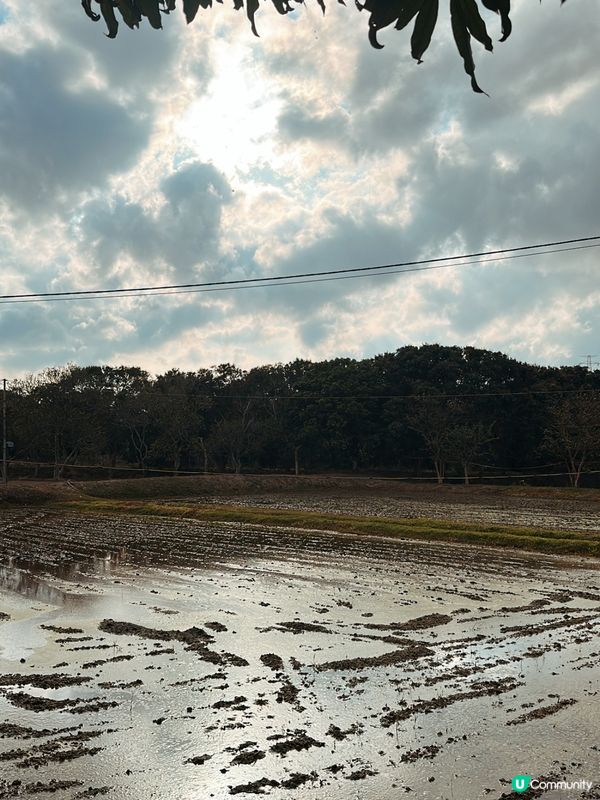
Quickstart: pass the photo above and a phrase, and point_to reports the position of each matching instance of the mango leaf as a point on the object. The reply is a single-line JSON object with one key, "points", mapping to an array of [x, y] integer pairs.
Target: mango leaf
{"points": [[475, 23], [151, 11], [424, 27], [130, 13], [462, 37], [108, 13], [190, 9], [466, 21], [87, 7], [409, 9], [382, 15], [502, 7]]}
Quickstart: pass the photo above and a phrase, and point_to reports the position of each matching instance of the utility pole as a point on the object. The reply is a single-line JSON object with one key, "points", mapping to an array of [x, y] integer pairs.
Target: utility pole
{"points": [[4, 444]]}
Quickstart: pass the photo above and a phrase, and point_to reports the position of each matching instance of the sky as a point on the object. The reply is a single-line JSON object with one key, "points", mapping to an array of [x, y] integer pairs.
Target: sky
{"points": [[201, 153]]}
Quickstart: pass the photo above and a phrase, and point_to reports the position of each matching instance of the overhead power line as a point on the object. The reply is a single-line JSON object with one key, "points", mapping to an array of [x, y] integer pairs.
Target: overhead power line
{"points": [[199, 472], [523, 251]]}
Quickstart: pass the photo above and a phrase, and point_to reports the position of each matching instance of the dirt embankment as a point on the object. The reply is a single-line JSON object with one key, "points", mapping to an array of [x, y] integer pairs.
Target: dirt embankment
{"points": [[215, 485]]}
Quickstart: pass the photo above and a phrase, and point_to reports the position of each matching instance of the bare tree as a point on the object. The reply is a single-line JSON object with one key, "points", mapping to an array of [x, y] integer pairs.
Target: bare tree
{"points": [[432, 418], [573, 431]]}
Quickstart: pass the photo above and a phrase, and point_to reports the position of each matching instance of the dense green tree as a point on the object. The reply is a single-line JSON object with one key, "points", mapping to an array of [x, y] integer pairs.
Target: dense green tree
{"points": [[429, 411]]}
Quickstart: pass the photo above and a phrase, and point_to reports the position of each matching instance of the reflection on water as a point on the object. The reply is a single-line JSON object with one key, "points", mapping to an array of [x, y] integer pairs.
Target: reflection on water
{"points": [[27, 577], [18, 580]]}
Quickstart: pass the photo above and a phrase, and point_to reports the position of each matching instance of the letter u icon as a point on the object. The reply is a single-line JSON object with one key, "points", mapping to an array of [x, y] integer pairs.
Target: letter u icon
{"points": [[521, 782]]}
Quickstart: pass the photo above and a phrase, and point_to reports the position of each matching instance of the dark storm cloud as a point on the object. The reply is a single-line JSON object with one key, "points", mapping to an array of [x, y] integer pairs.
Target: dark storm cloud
{"points": [[182, 233], [55, 140]]}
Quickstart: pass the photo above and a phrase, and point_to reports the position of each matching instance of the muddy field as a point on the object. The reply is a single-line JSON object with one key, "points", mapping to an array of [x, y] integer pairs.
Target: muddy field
{"points": [[157, 658], [501, 509]]}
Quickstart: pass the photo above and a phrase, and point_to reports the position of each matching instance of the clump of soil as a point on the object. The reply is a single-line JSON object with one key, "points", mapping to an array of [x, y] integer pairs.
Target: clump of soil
{"points": [[120, 685], [42, 681], [416, 624], [430, 751], [248, 757], [4, 616], [10, 731], [386, 660], [87, 708], [272, 661], [58, 629], [99, 662], [288, 693], [361, 774], [531, 630], [188, 636], [480, 689], [79, 705], [216, 626], [296, 627], [32, 703], [298, 742], [298, 779], [45, 788], [256, 787], [199, 760], [52, 752], [339, 735], [237, 701], [540, 713], [196, 640]]}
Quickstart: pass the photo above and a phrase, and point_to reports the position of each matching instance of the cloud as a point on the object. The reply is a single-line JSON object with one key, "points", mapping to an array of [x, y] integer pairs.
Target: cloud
{"points": [[54, 140], [178, 235], [202, 153]]}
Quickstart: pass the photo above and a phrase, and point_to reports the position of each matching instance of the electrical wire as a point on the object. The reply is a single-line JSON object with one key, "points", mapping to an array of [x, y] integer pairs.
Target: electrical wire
{"points": [[199, 472], [311, 277]]}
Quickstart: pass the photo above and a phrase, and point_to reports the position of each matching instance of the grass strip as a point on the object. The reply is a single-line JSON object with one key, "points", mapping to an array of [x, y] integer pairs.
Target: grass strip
{"points": [[542, 540]]}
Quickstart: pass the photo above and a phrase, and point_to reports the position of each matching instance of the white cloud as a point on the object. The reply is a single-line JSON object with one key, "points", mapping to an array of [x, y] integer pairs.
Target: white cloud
{"points": [[202, 151]]}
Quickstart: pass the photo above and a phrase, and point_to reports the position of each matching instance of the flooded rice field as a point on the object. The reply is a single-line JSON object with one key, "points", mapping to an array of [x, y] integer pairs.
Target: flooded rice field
{"points": [[156, 658], [491, 510]]}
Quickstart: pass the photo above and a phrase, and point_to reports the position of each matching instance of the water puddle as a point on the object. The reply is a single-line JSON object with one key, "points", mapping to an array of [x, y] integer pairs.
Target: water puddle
{"points": [[173, 659]]}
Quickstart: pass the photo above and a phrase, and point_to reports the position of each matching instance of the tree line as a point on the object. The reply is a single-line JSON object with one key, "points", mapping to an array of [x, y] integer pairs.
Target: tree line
{"points": [[444, 413]]}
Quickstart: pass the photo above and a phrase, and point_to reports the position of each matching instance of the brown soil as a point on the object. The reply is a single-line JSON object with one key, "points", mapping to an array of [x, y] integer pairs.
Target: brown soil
{"points": [[248, 757], [199, 760], [416, 624], [256, 787], [426, 706], [298, 742], [42, 681], [386, 660], [540, 713], [272, 661], [57, 629]]}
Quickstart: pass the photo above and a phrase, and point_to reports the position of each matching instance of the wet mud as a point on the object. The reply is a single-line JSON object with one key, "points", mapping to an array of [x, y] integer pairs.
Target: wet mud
{"points": [[176, 659]]}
